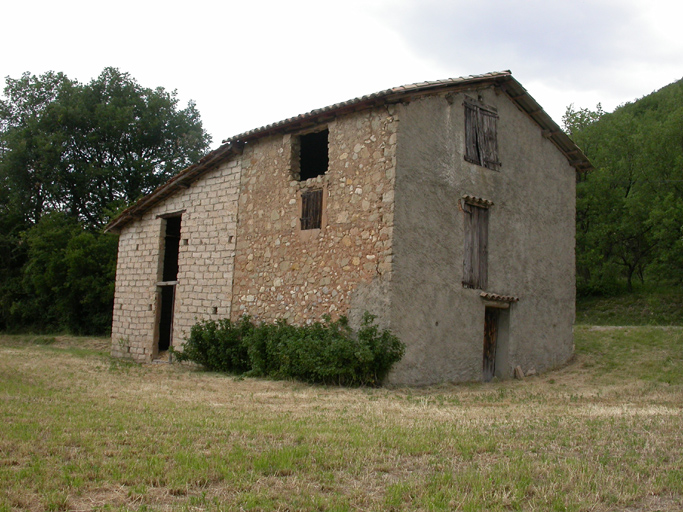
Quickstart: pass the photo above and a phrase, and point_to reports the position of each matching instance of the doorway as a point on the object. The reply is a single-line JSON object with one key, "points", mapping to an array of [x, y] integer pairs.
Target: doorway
{"points": [[166, 288], [491, 328]]}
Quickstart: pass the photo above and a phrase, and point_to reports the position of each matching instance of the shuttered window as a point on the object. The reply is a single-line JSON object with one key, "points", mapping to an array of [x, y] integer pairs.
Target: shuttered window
{"points": [[481, 139], [475, 264], [311, 209]]}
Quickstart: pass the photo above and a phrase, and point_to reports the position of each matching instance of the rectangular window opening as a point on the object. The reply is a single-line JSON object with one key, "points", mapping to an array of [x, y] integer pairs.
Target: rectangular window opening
{"points": [[171, 249], [313, 155], [481, 137], [475, 263]]}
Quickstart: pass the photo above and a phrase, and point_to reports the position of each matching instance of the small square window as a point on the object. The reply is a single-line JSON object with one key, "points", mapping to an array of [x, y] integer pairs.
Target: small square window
{"points": [[481, 138]]}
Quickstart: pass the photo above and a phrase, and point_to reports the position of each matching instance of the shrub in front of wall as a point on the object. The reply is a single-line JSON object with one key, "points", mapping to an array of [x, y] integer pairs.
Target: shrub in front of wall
{"points": [[326, 352], [218, 345]]}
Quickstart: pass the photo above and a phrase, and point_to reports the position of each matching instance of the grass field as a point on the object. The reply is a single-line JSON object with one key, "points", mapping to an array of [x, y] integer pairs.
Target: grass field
{"points": [[644, 306], [81, 431]]}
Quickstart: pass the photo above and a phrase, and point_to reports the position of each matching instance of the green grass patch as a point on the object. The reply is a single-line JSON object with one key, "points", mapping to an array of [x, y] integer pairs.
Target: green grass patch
{"points": [[626, 353], [644, 307], [81, 432]]}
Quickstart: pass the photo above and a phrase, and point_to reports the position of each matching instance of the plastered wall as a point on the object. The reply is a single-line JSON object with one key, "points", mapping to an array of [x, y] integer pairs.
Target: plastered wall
{"points": [[530, 249]]}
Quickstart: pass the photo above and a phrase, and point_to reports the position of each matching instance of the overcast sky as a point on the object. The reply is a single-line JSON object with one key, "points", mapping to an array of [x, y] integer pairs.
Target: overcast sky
{"points": [[251, 63]]}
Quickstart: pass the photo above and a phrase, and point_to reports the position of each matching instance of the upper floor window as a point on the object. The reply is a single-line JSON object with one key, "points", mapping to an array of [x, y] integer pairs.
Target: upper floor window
{"points": [[475, 262], [481, 139], [310, 155], [310, 158]]}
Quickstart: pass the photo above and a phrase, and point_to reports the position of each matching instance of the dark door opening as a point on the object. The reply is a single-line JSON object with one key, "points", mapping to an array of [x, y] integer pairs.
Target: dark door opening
{"points": [[167, 286], [166, 317], [491, 318]]}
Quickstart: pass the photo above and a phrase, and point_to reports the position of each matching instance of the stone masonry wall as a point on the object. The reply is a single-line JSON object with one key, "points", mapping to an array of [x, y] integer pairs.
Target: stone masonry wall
{"points": [[283, 272], [205, 263]]}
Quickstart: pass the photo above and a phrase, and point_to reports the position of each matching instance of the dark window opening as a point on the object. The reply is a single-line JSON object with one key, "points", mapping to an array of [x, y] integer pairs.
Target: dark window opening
{"points": [[313, 155], [311, 209], [475, 264], [481, 138], [171, 249]]}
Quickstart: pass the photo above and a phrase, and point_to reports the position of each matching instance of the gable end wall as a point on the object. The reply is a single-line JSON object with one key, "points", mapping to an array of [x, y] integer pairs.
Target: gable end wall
{"points": [[205, 263], [530, 243]]}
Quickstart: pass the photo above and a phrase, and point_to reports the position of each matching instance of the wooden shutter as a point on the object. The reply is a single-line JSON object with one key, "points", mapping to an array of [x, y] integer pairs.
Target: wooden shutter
{"points": [[481, 136], [311, 209], [471, 145], [489, 139], [475, 261]]}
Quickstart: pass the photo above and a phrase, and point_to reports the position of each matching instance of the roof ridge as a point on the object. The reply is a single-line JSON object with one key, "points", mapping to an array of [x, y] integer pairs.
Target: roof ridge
{"points": [[504, 79], [416, 86]]}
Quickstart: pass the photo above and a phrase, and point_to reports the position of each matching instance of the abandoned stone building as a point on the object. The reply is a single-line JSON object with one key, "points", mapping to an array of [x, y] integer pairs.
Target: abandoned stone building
{"points": [[444, 208]]}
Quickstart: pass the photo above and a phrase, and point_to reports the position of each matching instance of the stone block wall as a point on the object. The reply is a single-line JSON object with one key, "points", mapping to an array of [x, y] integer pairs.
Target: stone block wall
{"points": [[205, 263], [284, 272]]}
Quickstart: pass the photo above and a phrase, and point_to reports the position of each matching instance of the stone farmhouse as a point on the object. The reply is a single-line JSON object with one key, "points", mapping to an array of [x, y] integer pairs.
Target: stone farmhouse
{"points": [[444, 208]]}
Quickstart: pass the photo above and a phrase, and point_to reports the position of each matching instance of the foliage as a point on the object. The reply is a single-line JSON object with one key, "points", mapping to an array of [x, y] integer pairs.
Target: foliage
{"points": [[630, 208], [71, 156], [87, 149], [324, 352], [67, 282], [219, 345]]}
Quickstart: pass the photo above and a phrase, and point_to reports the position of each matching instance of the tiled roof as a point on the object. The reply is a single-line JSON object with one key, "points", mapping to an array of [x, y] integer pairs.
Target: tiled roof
{"points": [[385, 96], [502, 79]]}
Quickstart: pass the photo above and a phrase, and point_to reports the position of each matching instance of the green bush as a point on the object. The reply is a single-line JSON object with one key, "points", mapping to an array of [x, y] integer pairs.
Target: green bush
{"points": [[327, 352], [219, 345]]}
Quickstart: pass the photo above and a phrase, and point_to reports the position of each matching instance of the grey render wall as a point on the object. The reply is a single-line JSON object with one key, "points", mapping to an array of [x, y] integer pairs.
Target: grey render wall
{"points": [[205, 263], [531, 243]]}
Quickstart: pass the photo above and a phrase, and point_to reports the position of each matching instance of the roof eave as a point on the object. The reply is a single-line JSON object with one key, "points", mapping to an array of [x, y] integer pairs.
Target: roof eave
{"points": [[503, 79], [180, 181]]}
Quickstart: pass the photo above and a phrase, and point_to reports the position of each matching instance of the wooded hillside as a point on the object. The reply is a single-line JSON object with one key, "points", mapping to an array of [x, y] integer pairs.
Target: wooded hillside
{"points": [[629, 219]]}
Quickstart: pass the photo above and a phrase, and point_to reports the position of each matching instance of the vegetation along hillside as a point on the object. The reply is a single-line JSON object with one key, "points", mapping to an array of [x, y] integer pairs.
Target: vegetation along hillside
{"points": [[630, 208]]}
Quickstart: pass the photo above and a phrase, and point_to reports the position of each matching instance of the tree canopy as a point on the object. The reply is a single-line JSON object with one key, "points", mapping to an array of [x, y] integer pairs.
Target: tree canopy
{"points": [[71, 156], [89, 149], [630, 208]]}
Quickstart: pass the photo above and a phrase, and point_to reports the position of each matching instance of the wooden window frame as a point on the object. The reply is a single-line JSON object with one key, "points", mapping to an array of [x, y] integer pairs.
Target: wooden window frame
{"points": [[475, 259], [311, 209], [481, 135], [311, 232]]}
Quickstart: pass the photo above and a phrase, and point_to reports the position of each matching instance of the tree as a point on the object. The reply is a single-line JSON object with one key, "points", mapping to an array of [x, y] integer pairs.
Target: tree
{"points": [[630, 208], [71, 155], [68, 278], [88, 149]]}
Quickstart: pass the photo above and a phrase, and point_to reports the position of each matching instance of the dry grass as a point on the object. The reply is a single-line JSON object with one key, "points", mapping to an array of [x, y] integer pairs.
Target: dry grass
{"points": [[80, 431]]}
